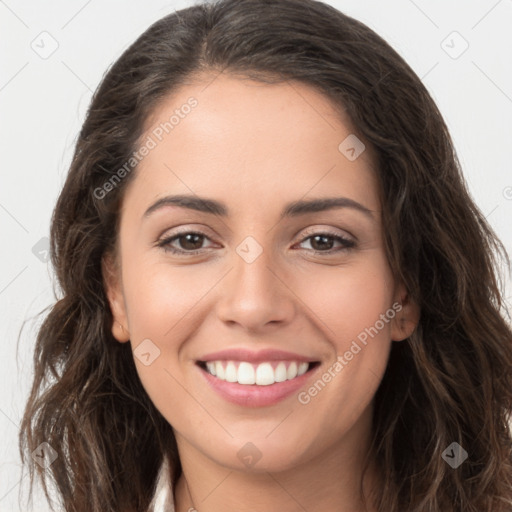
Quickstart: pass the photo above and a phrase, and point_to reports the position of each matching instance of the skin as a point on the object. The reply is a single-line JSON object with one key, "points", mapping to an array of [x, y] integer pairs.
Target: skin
{"points": [[257, 147]]}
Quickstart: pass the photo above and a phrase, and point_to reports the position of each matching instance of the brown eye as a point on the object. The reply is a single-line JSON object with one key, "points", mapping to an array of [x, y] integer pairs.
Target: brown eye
{"points": [[189, 242], [324, 242]]}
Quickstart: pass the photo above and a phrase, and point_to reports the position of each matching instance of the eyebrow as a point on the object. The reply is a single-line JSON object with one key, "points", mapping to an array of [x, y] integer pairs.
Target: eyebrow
{"points": [[293, 209]]}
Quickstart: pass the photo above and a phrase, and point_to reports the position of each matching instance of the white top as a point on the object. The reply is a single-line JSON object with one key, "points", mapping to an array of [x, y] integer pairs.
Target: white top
{"points": [[163, 500]]}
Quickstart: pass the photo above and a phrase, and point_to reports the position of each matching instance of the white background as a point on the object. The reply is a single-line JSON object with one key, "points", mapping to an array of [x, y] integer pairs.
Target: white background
{"points": [[43, 102]]}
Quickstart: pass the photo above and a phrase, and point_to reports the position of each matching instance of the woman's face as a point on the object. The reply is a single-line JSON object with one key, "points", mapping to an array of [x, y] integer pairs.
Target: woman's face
{"points": [[276, 279]]}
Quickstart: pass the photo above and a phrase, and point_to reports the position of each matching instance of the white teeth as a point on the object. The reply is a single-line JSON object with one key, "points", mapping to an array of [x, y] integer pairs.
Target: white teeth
{"points": [[302, 369], [263, 374], [211, 367], [246, 374], [280, 375], [231, 375], [291, 373], [219, 370]]}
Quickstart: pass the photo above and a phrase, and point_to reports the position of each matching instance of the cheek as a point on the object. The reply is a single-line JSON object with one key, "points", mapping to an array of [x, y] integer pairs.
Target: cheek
{"points": [[354, 306], [347, 302], [162, 304], [164, 307], [160, 298]]}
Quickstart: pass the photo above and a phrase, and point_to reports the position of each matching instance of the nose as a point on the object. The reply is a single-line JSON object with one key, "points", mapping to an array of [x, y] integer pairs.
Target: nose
{"points": [[256, 296]]}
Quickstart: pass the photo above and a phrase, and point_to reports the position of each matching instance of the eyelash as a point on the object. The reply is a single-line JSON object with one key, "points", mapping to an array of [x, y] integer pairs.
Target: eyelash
{"points": [[165, 243]]}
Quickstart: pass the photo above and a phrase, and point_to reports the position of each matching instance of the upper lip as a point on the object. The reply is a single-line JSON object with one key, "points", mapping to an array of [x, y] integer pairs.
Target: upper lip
{"points": [[242, 354]]}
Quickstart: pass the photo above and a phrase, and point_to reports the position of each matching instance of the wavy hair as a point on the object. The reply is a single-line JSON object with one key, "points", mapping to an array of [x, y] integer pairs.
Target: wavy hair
{"points": [[450, 381]]}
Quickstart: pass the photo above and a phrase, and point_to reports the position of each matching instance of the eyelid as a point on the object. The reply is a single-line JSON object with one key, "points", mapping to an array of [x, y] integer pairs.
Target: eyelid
{"points": [[181, 229], [328, 231]]}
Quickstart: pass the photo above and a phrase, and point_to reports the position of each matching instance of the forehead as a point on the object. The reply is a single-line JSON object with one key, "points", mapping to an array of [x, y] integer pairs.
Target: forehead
{"points": [[222, 134]]}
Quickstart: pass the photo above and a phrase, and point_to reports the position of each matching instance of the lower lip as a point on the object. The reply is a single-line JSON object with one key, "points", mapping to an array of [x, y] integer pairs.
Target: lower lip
{"points": [[254, 395]]}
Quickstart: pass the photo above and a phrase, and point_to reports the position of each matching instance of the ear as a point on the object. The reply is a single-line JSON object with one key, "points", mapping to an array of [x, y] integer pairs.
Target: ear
{"points": [[113, 287], [407, 315]]}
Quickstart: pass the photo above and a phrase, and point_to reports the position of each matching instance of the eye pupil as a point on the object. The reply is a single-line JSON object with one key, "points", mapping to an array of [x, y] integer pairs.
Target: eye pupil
{"points": [[323, 242], [187, 241]]}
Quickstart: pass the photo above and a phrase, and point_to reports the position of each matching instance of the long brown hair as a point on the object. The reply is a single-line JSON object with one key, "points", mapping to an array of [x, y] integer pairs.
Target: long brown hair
{"points": [[451, 381]]}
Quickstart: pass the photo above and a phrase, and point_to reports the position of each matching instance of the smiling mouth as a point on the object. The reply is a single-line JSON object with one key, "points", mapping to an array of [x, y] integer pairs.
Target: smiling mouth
{"points": [[251, 374]]}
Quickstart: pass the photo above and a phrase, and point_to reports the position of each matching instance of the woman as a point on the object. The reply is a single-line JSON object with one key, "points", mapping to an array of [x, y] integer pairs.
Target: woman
{"points": [[277, 293]]}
